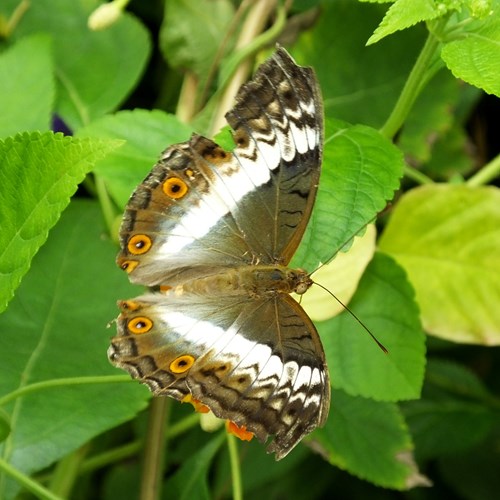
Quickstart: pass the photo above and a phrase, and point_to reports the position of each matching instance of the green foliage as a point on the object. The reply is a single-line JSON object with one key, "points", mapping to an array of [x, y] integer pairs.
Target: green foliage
{"points": [[364, 173], [39, 175], [26, 65], [72, 426], [384, 299], [446, 237], [51, 332], [369, 439]]}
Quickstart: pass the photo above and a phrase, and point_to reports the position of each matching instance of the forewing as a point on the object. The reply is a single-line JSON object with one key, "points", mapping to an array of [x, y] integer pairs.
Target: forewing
{"points": [[232, 209]]}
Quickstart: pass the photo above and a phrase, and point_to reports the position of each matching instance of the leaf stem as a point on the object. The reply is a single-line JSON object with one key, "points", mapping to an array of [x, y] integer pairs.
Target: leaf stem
{"points": [[420, 74], [486, 173], [29, 484], [235, 467]]}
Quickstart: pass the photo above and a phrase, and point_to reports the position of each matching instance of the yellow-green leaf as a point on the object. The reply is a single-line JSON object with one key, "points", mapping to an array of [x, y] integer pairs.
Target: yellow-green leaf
{"points": [[447, 238]]}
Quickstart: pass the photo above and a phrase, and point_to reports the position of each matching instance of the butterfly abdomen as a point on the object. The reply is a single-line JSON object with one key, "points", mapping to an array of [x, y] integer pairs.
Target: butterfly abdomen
{"points": [[253, 281]]}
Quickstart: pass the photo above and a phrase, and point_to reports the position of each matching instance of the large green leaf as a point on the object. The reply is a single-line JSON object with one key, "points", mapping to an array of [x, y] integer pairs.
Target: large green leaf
{"points": [[370, 440], [455, 412], [95, 70], [55, 328], [361, 171], [384, 301], [38, 174], [26, 86], [447, 239]]}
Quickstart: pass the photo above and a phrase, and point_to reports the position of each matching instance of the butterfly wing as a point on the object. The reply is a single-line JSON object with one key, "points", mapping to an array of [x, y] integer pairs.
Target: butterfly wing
{"points": [[202, 209], [256, 362]]}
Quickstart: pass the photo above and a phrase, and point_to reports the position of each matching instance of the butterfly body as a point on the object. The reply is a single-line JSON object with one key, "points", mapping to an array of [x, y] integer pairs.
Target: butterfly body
{"points": [[251, 281], [215, 231]]}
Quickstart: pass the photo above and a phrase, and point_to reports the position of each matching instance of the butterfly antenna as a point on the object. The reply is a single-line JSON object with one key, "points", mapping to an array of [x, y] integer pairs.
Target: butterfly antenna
{"points": [[355, 317]]}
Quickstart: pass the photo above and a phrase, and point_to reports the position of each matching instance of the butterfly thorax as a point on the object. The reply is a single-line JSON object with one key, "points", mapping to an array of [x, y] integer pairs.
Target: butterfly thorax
{"points": [[254, 281]]}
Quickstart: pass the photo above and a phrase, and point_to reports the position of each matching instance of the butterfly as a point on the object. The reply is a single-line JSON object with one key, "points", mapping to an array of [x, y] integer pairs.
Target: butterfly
{"points": [[212, 233]]}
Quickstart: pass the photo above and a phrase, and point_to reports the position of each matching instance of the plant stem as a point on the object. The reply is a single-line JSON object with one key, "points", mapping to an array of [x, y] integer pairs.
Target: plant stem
{"points": [[152, 466], [61, 382], [486, 174], [235, 467], [186, 104], [111, 456], [29, 484], [257, 16], [107, 206], [66, 472], [419, 76], [16, 17], [417, 176], [128, 450]]}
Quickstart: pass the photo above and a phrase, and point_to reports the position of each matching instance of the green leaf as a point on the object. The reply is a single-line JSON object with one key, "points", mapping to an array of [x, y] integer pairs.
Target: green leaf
{"points": [[452, 415], [430, 117], [38, 174], [405, 13], [191, 480], [475, 56], [95, 70], [447, 238], [456, 380], [55, 328], [123, 481], [473, 473], [361, 171], [441, 428], [26, 86], [359, 85], [192, 32], [384, 301], [369, 440], [147, 134]]}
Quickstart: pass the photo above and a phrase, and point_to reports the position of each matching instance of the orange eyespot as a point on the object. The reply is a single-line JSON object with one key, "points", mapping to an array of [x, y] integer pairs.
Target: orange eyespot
{"points": [[175, 188], [138, 244], [128, 265], [182, 364], [140, 325]]}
